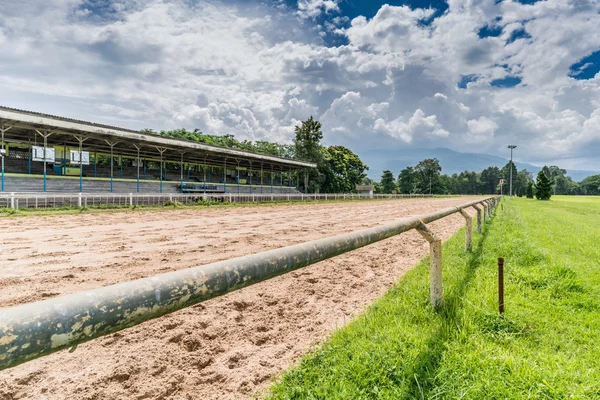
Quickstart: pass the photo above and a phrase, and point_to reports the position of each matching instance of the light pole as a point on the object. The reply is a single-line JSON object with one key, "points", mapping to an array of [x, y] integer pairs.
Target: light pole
{"points": [[511, 147]]}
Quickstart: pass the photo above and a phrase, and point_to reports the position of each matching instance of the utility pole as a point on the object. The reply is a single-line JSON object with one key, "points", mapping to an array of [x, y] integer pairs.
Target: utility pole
{"points": [[511, 147]]}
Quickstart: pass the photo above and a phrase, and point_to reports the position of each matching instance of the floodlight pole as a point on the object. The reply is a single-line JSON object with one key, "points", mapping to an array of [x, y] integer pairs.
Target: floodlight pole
{"points": [[3, 152], [511, 147]]}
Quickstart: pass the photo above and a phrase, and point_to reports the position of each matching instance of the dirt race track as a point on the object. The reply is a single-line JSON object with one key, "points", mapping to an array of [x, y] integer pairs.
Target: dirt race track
{"points": [[226, 348]]}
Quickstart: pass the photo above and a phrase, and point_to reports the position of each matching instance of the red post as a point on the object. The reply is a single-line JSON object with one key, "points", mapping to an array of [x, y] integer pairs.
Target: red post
{"points": [[501, 285]]}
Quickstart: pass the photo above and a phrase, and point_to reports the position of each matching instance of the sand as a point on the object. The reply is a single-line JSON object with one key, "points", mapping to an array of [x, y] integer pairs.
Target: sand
{"points": [[230, 347]]}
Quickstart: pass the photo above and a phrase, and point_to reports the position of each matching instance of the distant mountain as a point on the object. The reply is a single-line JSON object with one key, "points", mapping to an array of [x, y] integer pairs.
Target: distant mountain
{"points": [[451, 162]]}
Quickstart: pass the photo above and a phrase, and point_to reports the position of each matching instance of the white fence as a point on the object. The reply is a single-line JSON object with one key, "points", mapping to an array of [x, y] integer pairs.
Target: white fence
{"points": [[83, 200]]}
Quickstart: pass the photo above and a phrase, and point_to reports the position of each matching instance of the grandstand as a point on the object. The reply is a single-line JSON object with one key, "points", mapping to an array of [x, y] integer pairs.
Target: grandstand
{"points": [[43, 152]]}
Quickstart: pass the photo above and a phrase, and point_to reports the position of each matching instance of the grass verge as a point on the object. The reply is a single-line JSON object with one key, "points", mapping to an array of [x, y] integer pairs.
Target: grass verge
{"points": [[543, 348]]}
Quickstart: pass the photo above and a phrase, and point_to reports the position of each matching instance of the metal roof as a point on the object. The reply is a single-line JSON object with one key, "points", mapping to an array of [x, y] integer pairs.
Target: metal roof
{"points": [[25, 125]]}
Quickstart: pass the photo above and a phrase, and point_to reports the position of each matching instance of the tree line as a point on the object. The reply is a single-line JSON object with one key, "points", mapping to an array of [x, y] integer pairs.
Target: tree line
{"points": [[426, 178]]}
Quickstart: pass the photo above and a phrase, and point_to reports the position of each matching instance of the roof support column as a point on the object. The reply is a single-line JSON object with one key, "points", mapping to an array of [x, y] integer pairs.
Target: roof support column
{"points": [[112, 162], [225, 176], [161, 150], [138, 166], [261, 177], [45, 135], [181, 172], [4, 128], [280, 180], [237, 174], [272, 178], [80, 139], [250, 177]]}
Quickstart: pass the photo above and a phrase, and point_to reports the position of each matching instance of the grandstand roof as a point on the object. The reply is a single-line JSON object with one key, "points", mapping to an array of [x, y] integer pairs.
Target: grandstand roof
{"points": [[25, 125]]}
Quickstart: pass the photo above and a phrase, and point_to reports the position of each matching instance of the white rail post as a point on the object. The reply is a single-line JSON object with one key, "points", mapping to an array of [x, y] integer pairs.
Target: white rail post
{"points": [[130, 199], [478, 218], [485, 211], [435, 266], [12, 200], [79, 200], [468, 229]]}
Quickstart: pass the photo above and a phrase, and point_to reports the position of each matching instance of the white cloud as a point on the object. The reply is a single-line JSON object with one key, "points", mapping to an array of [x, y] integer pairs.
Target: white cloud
{"points": [[255, 70], [314, 8]]}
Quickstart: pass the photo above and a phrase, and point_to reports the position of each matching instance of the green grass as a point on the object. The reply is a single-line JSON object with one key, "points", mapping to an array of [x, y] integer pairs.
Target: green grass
{"points": [[545, 346]]}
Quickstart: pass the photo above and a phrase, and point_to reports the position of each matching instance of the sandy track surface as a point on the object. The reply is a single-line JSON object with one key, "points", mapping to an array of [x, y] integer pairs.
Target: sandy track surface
{"points": [[226, 348]]}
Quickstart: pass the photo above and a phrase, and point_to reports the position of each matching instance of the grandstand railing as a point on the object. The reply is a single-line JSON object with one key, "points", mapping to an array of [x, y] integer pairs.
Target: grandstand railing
{"points": [[36, 329], [58, 200]]}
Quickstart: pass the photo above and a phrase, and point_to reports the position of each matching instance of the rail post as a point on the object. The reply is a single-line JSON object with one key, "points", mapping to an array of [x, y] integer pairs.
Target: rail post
{"points": [[12, 200], [468, 229], [478, 218], [501, 285], [79, 200], [130, 199], [485, 211], [435, 266]]}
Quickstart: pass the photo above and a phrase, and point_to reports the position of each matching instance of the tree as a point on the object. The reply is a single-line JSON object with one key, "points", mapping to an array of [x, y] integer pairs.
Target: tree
{"points": [[427, 174], [406, 180], [345, 170], [307, 146], [543, 187], [388, 183], [489, 178], [530, 190]]}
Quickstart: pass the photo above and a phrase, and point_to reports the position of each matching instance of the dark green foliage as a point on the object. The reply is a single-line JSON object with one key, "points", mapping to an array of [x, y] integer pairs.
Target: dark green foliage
{"points": [[388, 183], [543, 187], [406, 180], [427, 176], [530, 190], [489, 178], [307, 146], [344, 170]]}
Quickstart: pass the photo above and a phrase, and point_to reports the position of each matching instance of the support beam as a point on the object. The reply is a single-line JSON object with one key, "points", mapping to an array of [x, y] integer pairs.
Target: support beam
{"points": [[161, 150], [468, 229], [478, 218], [3, 128], [112, 162], [138, 147], [80, 139], [435, 266], [45, 135]]}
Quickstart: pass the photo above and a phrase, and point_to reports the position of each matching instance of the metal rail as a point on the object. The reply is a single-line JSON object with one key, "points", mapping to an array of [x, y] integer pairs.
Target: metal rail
{"points": [[36, 329], [34, 200]]}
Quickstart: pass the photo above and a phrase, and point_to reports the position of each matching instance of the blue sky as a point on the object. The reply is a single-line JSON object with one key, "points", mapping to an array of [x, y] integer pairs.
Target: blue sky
{"points": [[469, 75]]}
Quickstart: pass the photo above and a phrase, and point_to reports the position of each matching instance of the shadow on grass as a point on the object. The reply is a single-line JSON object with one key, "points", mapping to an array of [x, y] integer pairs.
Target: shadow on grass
{"points": [[428, 361]]}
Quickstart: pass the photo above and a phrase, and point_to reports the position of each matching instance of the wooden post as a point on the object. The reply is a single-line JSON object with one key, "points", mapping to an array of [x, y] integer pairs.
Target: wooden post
{"points": [[435, 267], [468, 229]]}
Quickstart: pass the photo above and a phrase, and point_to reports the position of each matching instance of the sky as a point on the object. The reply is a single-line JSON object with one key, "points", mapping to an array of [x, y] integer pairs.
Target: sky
{"points": [[469, 75]]}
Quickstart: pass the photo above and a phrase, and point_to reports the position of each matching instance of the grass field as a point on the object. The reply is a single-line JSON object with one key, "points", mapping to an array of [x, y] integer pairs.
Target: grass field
{"points": [[545, 347]]}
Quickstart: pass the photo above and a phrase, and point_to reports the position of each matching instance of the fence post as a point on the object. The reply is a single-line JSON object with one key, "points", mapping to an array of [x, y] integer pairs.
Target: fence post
{"points": [[478, 218], [16, 204], [12, 200], [485, 211], [130, 199], [435, 266], [468, 228], [501, 286], [79, 200]]}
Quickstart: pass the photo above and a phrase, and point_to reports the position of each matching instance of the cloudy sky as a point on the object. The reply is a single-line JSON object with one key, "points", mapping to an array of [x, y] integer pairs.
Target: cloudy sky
{"points": [[469, 75]]}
